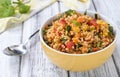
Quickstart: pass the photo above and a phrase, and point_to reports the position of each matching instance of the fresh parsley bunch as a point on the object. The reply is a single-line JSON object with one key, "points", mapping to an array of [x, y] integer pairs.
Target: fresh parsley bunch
{"points": [[7, 9]]}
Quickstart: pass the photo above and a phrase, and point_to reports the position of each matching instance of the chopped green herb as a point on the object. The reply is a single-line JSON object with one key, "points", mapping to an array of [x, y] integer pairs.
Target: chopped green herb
{"points": [[85, 13], [69, 12], [79, 45], [76, 23], [98, 34], [44, 31], [96, 16], [47, 42], [68, 28], [75, 46], [63, 40], [110, 34], [90, 50], [110, 28], [99, 44], [60, 16]]}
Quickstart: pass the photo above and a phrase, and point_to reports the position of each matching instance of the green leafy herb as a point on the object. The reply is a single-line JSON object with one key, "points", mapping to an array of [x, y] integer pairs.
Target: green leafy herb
{"points": [[63, 40], [44, 31], [98, 34], [96, 16], [22, 7], [110, 28], [6, 8], [60, 16], [68, 28], [47, 42], [76, 23], [99, 44], [69, 12], [90, 50], [79, 45]]}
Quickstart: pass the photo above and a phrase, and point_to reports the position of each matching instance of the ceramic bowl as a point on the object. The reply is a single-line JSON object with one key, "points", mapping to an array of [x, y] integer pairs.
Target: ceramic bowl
{"points": [[79, 62]]}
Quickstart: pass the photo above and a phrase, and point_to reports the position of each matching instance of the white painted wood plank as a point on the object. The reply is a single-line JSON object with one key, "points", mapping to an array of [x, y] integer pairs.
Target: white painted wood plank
{"points": [[9, 66], [35, 63]]}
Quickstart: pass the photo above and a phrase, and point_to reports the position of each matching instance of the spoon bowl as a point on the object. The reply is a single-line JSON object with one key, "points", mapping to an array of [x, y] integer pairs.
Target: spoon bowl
{"points": [[18, 49], [15, 50]]}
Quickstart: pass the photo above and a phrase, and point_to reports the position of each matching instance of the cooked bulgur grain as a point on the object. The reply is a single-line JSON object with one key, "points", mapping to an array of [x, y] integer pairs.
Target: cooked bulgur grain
{"points": [[77, 33]]}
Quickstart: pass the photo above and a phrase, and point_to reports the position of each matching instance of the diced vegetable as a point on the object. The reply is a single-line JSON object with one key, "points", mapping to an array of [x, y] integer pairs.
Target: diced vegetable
{"points": [[68, 28], [92, 22], [79, 45], [76, 28], [60, 16], [110, 28], [90, 50], [63, 40], [98, 34], [81, 20], [69, 44], [44, 31], [63, 22], [105, 32], [75, 40], [69, 12], [99, 44], [97, 16], [95, 49], [47, 42], [76, 23]]}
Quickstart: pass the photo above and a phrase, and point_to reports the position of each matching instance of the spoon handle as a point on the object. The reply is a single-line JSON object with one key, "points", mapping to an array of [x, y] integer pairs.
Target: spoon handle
{"points": [[33, 34], [31, 37]]}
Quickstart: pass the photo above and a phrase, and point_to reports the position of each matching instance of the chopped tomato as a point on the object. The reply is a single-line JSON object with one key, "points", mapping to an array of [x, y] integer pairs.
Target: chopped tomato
{"points": [[92, 22], [63, 22], [95, 49], [69, 44]]}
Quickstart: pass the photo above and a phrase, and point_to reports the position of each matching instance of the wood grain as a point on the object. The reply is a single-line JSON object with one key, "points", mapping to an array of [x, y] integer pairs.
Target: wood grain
{"points": [[9, 65], [35, 63]]}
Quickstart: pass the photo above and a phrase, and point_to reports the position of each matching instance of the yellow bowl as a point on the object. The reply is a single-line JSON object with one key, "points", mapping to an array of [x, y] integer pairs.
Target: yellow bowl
{"points": [[78, 62]]}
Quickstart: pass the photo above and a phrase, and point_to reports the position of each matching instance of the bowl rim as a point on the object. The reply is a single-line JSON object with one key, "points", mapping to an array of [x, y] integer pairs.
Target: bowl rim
{"points": [[86, 54]]}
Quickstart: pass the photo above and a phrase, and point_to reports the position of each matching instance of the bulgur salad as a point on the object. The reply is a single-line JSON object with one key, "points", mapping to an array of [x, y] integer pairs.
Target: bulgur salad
{"points": [[76, 33]]}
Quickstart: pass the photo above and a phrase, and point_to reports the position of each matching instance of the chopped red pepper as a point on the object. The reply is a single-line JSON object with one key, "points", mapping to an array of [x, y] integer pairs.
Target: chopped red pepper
{"points": [[63, 22], [95, 49], [92, 22], [69, 44]]}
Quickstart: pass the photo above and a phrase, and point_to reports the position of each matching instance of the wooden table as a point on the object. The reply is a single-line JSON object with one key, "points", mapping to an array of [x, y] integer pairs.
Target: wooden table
{"points": [[36, 64]]}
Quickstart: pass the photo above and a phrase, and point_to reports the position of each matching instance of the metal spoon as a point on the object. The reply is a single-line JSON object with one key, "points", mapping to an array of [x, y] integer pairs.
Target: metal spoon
{"points": [[18, 49]]}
